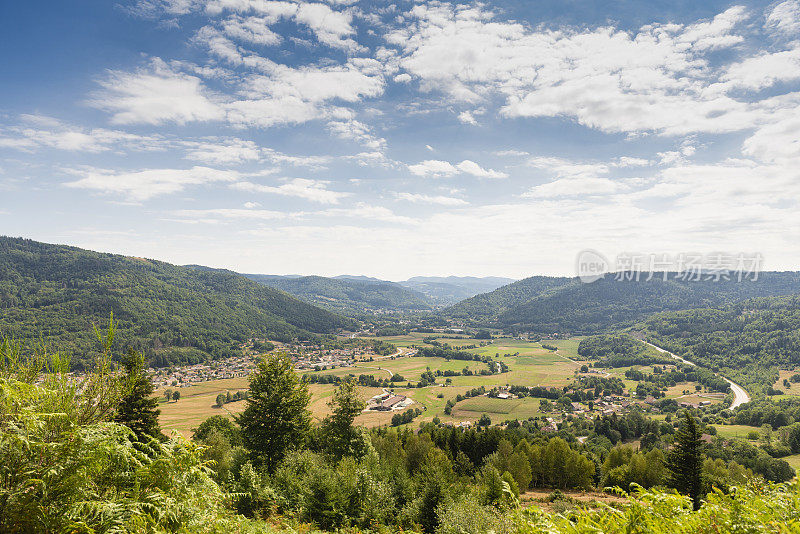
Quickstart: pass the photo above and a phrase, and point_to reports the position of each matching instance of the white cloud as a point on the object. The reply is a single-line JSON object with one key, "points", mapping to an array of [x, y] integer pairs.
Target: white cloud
{"points": [[511, 152], [35, 131], [224, 151], [359, 132], [251, 30], [146, 184], [653, 80], [252, 205], [433, 167], [312, 190], [231, 213], [431, 199], [331, 27], [566, 168], [363, 210], [439, 169], [785, 18], [156, 96], [764, 70], [467, 118], [628, 161], [580, 186], [470, 167]]}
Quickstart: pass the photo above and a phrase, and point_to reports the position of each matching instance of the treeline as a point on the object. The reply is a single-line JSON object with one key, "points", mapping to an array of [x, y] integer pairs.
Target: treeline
{"points": [[620, 350]]}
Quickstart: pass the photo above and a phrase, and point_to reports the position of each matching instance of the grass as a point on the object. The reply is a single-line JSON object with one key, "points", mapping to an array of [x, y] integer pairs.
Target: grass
{"points": [[735, 431], [198, 403], [471, 409]]}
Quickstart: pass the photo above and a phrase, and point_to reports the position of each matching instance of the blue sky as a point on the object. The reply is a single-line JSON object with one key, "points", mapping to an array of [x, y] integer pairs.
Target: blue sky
{"points": [[401, 139]]}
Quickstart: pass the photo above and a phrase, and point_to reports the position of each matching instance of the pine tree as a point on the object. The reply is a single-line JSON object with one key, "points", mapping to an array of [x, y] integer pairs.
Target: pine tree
{"points": [[341, 438], [685, 461], [276, 419], [137, 409]]}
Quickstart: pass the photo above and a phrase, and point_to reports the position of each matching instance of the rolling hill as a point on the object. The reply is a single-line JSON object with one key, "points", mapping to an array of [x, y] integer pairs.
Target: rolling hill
{"points": [[547, 305], [171, 313], [349, 295]]}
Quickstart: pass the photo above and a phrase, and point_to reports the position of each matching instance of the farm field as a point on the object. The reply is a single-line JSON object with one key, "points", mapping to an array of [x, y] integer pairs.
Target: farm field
{"points": [[735, 431], [530, 365], [197, 403]]}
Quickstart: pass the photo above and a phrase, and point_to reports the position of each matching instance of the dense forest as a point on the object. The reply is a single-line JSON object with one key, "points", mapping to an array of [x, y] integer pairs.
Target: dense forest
{"points": [[747, 342], [57, 293], [349, 296], [564, 305]]}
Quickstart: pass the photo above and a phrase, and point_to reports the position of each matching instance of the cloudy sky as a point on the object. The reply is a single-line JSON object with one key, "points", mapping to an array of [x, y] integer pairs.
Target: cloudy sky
{"points": [[402, 138]]}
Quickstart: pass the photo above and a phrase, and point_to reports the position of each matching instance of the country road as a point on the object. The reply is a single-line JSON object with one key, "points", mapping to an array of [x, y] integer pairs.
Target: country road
{"points": [[740, 396]]}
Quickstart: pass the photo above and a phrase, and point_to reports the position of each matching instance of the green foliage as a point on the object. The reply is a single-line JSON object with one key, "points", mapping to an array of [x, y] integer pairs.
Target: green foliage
{"points": [[66, 469], [685, 461], [546, 305], [276, 419], [137, 409], [168, 313], [746, 342], [339, 437]]}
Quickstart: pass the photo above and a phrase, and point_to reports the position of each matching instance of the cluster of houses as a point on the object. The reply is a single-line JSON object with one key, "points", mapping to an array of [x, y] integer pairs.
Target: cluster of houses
{"points": [[387, 401], [234, 367], [306, 355]]}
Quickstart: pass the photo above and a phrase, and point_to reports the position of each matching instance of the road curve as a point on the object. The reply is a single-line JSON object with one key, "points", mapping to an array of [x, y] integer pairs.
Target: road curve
{"points": [[740, 396]]}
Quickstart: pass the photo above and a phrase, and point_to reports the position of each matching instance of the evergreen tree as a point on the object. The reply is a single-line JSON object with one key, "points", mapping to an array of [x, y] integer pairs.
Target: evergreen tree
{"points": [[685, 461], [340, 436], [137, 409], [276, 419]]}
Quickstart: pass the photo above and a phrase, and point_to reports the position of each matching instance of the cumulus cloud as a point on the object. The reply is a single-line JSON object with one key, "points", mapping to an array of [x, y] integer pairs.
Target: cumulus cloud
{"points": [[785, 18], [434, 168], [654, 80], [442, 169], [156, 96]]}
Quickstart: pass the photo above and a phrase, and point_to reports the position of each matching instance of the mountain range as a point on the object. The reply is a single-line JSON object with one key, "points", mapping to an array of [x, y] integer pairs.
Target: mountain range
{"points": [[565, 305]]}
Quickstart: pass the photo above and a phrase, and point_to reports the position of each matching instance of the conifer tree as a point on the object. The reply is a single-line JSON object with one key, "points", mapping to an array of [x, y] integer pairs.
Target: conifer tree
{"points": [[341, 438], [685, 461], [137, 409], [276, 419]]}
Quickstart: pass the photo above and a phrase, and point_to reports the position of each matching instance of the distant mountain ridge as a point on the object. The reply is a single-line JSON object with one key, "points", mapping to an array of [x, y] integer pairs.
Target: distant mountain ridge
{"points": [[169, 312], [565, 305], [358, 294], [354, 296]]}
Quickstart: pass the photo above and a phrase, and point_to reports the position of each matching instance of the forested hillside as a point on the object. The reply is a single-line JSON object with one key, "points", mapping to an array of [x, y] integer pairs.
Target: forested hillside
{"points": [[349, 295], [747, 342], [546, 305], [170, 313]]}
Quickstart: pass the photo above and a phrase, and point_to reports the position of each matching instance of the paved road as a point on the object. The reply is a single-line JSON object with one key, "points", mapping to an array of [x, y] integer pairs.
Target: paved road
{"points": [[740, 396]]}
